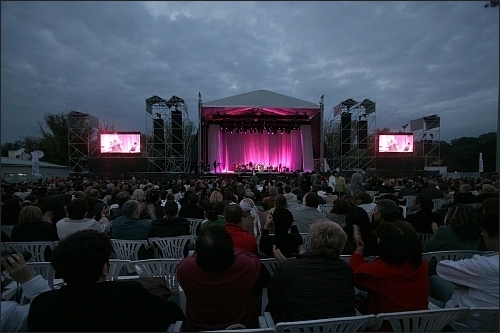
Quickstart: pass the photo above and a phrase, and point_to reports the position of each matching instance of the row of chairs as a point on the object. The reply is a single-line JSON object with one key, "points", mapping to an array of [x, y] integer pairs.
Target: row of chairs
{"points": [[407, 321]]}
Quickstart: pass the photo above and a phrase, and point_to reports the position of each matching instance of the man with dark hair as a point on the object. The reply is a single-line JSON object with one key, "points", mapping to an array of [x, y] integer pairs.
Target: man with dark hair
{"points": [[316, 286], [304, 216], [191, 208], [423, 215], [121, 198], [169, 225], [218, 282], [471, 282], [464, 195], [76, 220], [90, 303], [242, 239]]}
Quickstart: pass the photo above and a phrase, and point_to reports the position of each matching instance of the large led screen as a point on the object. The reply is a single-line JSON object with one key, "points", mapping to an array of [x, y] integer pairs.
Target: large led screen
{"points": [[121, 142], [395, 143]]}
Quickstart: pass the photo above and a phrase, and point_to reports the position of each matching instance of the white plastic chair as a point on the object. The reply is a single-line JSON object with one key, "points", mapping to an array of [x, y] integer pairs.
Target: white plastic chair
{"points": [[306, 241], [115, 267], [166, 268], [341, 324], [424, 237], [438, 203], [7, 229], [193, 225], [450, 255], [326, 208], [127, 249], [169, 247], [37, 249], [419, 321], [45, 269], [478, 319]]}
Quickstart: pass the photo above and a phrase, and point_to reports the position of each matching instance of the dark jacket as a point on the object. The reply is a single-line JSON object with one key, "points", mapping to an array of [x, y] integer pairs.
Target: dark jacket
{"points": [[312, 287], [118, 306], [172, 227], [192, 211], [463, 198], [34, 232], [422, 220]]}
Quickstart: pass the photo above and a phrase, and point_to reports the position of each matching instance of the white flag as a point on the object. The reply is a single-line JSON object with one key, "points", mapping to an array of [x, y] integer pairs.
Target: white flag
{"points": [[35, 167], [481, 162]]}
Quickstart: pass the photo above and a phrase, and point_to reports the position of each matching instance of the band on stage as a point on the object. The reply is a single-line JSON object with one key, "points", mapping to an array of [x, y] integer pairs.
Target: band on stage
{"points": [[259, 167]]}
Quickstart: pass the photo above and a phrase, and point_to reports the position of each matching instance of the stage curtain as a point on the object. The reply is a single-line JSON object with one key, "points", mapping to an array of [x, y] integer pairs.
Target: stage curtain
{"points": [[291, 150], [306, 141]]}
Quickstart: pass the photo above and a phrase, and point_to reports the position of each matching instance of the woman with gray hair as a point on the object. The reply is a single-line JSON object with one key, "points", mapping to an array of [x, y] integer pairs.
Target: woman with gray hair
{"points": [[250, 221], [316, 285]]}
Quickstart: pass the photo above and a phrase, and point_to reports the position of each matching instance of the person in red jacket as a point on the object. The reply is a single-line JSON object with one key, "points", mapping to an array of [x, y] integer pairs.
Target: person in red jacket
{"points": [[242, 239], [218, 282], [397, 280]]}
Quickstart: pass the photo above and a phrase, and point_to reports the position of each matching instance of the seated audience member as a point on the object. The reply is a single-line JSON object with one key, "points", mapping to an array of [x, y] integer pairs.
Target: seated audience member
{"points": [[316, 285], [460, 232], [487, 191], [423, 216], [364, 201], [304, 216], [191, 208], [90, 303], [129, 226], [470, 282], [330, 197], [291, 199], [288, 243], [397, 280], [14, 315], [464, 196], [33, 226], [490, 204], [432, 191], [251, 220], [215, 216], [218, 282], [10, 211], [268, 202], [76, 220], [121, 198], [169, 225], [242, 239], [407, 190], [56, 208]]}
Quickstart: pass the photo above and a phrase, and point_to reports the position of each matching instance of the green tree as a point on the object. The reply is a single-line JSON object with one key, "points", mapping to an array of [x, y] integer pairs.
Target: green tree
{"points": [[54, 138]]}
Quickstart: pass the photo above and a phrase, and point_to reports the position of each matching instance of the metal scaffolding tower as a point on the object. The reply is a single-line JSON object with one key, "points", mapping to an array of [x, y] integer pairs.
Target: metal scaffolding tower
{"points": [[350, 135], [83, 140], [169, 135], [427, 138]]}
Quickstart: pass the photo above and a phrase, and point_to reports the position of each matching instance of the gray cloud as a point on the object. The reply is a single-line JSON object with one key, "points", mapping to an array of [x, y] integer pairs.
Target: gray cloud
{"points": [[105, 58]]}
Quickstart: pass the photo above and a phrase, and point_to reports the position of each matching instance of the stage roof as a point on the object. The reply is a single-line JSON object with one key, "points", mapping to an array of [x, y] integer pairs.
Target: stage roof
{"points": [[259, 102]]}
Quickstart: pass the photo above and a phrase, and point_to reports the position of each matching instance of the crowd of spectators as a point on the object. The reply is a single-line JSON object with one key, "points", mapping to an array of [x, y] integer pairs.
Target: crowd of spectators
{"points": [[245, 219]]}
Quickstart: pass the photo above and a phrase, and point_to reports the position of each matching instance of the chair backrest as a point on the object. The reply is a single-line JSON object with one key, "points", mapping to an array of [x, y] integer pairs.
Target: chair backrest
{"points": [[193, 225], [7, 229], [170, 247], [478, 319], [294, 207], [127, 249], [420, 321], [270, 264], [409, 200], [45, 269], [115, 267], [342, 324], [306, 241], [166, 268], [424, 237], [37, 249], [450, 255], [326, 208], [438, 203]]}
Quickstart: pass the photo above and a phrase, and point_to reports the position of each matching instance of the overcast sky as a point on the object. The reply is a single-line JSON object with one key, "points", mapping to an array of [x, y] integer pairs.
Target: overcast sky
{"points": [[413, 59]]}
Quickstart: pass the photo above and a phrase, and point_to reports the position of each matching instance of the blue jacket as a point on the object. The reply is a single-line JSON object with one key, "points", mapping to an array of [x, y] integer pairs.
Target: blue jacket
{"points": [[124, 227]]}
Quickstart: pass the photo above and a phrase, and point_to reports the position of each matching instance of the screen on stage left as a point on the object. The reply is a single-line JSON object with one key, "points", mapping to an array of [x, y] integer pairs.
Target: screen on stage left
{"points": [[129, 143], [395, 143]]}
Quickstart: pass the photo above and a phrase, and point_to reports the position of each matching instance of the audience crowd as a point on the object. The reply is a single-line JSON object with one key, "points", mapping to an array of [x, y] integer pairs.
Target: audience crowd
{"points": [[377, 222]]}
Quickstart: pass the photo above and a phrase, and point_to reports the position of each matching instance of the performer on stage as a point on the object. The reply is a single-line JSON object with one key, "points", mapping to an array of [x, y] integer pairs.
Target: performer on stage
{"points": [[215, 166]]}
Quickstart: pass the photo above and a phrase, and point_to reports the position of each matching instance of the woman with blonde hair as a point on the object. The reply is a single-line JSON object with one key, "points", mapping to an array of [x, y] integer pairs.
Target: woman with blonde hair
{"points": [[216, 196], [139, 196], [34, 226]]}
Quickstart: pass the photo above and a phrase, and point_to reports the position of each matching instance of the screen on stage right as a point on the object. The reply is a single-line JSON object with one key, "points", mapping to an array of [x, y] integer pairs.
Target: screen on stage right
{"points": [[395, 143]]}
